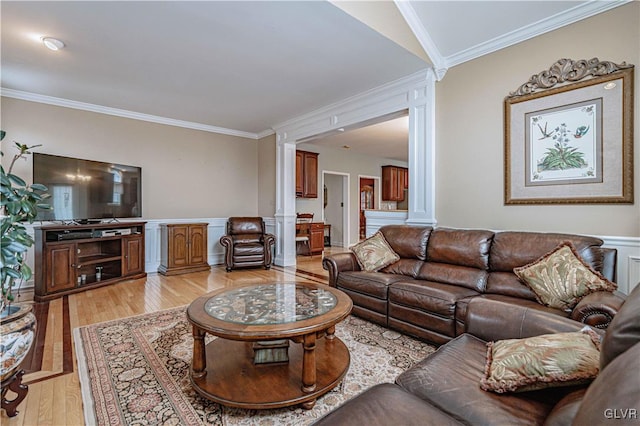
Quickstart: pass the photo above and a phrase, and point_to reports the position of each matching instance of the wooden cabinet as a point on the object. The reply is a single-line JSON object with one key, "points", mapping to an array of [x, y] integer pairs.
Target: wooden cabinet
{"points": [[394, 182], [306, 174], [317, 237], [73, 258], [184, 248]]}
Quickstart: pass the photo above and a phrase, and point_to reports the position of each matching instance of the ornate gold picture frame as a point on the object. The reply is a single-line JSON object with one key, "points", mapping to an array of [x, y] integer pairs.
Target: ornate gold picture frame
{"points": [[569, 135]]}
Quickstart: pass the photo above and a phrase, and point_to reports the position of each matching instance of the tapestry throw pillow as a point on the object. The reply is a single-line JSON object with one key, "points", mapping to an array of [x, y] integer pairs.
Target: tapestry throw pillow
{"points": [[549, 360], [374, 253], [561, 278]]}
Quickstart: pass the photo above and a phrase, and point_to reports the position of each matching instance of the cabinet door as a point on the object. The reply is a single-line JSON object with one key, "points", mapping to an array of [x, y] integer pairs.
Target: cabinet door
{"points": [[310, 175], [197, 244], [133, 260], [390, 183], [60, 267], [317, 237], [178, 246], [299, 173]]}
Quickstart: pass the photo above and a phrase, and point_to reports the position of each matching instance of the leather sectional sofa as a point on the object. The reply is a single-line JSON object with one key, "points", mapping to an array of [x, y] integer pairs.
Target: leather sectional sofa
{"points": [[441, 270], [444, 388]]}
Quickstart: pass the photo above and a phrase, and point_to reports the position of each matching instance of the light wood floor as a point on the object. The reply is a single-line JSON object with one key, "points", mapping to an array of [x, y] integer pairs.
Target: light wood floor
{"points": [[54, 396]]}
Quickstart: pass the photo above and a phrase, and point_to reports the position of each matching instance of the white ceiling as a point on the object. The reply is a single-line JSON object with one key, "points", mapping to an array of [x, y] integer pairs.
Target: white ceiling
{"points": [[242, 67]]}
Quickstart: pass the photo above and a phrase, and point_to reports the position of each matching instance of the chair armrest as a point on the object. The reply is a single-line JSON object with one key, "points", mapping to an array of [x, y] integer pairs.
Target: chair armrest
{"points": [[337, 263], [268, 240], [226, 241], [497, 320], [598, 309]]}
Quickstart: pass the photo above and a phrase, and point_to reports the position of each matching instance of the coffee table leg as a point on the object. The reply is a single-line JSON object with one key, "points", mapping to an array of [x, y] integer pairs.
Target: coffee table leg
{"points": [[309, 368], [331, 333], [199, 361]]}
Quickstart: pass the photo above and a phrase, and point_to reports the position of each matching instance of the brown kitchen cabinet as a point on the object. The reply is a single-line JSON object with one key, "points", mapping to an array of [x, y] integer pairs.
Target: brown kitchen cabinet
{"points": [[317, 237], [306, 174], [183, 248], [73, 258], [395, 180]]}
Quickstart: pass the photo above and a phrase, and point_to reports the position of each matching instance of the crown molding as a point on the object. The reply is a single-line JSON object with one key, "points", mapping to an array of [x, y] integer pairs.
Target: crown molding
{"points": [[50, 100], [570, 16], [407, 11]]}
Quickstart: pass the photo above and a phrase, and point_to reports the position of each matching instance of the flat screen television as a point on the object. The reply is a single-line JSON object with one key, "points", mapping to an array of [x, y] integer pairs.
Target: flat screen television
{"points": [[84, 190]]}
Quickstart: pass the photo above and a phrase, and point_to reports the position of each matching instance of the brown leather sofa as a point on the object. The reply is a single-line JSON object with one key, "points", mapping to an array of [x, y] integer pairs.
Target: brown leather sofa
{"points": [[441, 270], [444, 388], [247, 244]]}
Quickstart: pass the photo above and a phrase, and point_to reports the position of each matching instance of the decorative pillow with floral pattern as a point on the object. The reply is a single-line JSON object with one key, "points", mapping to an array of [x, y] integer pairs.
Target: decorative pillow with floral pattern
{"points": [[549, 360], [561, 278], [374, 253]]}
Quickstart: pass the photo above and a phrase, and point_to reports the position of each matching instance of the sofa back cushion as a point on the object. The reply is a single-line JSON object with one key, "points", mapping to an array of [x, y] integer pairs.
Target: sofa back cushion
{"points": [[624, 330], [409, 242], [513, 249], [463, 247]]}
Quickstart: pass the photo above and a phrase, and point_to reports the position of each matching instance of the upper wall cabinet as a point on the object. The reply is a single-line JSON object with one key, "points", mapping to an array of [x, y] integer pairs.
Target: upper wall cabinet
{"points": [[394, 182], [306, 174]]}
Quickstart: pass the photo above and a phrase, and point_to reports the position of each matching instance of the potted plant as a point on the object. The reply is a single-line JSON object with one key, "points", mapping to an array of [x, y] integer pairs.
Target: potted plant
{"points": [[19, 204]]}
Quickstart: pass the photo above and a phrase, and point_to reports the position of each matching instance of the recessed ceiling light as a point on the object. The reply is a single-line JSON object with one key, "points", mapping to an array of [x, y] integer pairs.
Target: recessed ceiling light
{"points": [[52, 43], [346, 146]]}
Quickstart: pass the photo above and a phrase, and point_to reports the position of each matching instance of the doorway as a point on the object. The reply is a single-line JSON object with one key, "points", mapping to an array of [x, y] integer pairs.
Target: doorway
{"points": [[367, 202], [336, 208]]}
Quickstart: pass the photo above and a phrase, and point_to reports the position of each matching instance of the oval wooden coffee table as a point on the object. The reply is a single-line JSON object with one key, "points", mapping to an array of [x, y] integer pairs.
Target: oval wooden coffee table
{"points": [[251, 364]]}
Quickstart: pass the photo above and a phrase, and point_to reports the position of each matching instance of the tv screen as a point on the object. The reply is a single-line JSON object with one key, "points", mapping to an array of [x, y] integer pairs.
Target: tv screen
{"points": [[85, 189]]}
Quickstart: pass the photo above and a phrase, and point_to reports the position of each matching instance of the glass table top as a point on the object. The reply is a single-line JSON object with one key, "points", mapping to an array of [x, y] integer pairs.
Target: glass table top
{"points": [[268, 304]]}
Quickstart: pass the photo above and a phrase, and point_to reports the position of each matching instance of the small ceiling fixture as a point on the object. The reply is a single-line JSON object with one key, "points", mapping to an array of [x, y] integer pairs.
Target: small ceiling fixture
{"points": [[52, 43]]}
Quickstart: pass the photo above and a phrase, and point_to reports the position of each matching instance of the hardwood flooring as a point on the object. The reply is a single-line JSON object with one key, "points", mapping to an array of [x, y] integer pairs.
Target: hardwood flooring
{"points": [[54, 396]]}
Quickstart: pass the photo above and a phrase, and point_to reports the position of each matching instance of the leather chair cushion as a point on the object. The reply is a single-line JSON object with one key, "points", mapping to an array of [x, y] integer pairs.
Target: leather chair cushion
{"points": [[624, 330], [245, 225], [371, 283], [384, 405], [247, 238], [450, 380], [616, 388], [248, 249], [462, 247], [409, 242]]}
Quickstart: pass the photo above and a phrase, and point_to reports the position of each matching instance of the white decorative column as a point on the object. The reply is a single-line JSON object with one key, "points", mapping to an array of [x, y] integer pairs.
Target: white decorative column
{"points": [[422, 153], [285, 201]]}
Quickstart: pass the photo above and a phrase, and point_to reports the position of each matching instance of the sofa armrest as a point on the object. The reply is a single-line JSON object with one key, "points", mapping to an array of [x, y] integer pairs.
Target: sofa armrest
{"points": [[598, 309], [337, 263], [497, 320]]}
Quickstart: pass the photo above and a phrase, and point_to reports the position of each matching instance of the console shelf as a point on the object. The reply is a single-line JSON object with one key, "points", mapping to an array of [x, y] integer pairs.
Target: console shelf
{"points": [[73, 258]]}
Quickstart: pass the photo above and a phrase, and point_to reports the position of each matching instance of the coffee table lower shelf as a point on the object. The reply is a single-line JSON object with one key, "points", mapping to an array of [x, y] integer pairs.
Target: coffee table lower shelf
{"points": [[232, 379]]}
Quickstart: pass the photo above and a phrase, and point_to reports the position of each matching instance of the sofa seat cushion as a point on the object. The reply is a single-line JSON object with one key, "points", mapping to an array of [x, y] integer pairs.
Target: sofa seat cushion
{"points": [[374, 284], [449, 379], [429, 296], [383, 405]]}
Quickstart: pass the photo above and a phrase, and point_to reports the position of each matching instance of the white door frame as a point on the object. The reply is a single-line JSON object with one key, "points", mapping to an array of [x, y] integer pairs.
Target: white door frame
{"points": [[346, 212]]}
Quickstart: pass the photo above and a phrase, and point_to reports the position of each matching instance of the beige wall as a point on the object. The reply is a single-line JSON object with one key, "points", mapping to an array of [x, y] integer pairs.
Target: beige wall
{"points": [[185, 173], [267, 173], [469, 133]]}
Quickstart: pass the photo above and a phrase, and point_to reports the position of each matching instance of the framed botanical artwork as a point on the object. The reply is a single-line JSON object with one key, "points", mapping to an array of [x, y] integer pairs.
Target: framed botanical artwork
{"points": [[569, 135]]}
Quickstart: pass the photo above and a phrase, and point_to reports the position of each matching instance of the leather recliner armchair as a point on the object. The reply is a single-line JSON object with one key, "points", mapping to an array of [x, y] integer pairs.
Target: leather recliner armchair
{"points": [[247, 244]]}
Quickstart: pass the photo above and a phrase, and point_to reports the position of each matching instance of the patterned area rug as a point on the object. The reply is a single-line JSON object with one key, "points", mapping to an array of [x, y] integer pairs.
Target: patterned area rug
{"points": [[135, 371]]}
